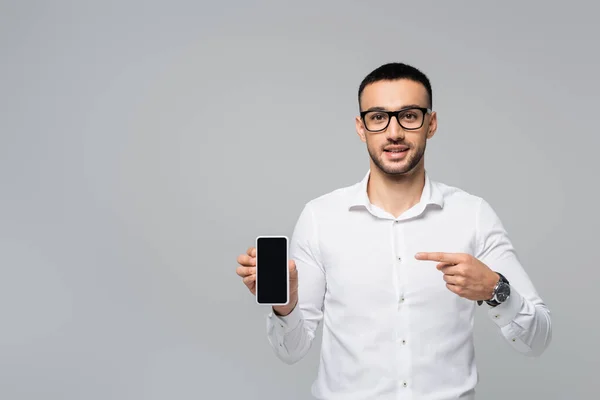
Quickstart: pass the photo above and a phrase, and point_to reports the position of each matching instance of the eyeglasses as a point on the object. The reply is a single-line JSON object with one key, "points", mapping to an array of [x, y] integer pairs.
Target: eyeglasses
{"points": [[408, 118]]}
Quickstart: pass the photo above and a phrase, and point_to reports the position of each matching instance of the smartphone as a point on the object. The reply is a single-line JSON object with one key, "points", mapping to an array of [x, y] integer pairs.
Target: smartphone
{"points": [[272, 273]]}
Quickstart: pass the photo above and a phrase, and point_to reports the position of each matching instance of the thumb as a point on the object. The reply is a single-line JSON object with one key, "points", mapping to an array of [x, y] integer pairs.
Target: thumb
{"points": [[293, 270]]}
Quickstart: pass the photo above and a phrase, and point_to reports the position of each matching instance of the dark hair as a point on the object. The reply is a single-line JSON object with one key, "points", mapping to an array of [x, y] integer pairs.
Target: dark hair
{"points": [[395, 71]]}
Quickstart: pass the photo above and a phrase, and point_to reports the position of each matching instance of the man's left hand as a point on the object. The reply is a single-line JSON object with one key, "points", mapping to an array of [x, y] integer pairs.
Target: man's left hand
{"points": [[464, 274]]}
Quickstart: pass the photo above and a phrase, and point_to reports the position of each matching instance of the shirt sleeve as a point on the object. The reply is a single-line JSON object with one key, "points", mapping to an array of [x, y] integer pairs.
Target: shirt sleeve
{"points": [[523, 320], [291, 336]]}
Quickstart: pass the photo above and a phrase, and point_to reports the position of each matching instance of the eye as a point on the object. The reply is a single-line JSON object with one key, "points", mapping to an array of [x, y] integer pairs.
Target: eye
{"points": [[377, 116]]}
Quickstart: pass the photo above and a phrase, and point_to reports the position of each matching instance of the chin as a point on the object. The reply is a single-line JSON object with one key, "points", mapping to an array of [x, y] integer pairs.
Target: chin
{"points": [[396, 169]]}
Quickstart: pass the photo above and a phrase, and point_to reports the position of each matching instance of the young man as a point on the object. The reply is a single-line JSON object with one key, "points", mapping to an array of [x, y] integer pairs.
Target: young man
{"points": [[395, 266]]}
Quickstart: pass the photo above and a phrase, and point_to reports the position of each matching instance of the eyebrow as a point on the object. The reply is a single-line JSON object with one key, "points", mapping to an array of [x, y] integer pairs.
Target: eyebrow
{"points": [[402, 108]]}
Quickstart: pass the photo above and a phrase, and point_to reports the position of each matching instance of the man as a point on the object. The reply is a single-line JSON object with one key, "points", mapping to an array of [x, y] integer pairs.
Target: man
{"points": [[396, 265]]}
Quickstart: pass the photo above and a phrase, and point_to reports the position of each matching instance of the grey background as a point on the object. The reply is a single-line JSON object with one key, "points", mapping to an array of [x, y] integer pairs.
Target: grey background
{"points": [[143, 146]]}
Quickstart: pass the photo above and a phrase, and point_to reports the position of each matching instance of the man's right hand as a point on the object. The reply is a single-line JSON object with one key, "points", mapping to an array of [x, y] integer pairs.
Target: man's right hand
{"points": [[247, 271]]}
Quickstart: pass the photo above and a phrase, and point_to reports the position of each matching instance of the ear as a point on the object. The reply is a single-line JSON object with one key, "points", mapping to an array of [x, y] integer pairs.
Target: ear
{"points": [[360, 129], [432, 125]]}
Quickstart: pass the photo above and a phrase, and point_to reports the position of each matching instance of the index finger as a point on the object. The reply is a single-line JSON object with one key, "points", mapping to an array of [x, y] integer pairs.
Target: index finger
{"points": [[450, 258], [251, 251], [246, 260]]}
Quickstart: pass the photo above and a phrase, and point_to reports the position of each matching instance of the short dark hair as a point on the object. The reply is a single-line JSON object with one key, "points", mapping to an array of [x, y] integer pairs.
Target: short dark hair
{"points": [[394, 71]]}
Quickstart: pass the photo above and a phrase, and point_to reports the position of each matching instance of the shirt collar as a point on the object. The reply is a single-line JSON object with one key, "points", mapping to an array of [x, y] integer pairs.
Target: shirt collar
{"points": [[431, 193]]}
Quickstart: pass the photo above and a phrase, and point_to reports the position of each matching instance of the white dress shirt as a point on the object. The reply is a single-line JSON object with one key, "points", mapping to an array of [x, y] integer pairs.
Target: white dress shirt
{"points": [[391, 327]]}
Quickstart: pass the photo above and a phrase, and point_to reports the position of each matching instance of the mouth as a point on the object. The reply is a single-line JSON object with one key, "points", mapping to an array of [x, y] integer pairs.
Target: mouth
{"points": [[396, 152], [396, 149]]}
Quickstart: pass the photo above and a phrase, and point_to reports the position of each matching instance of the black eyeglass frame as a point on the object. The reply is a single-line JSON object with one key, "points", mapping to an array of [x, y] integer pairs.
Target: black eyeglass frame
{"points": [[424, 110]]}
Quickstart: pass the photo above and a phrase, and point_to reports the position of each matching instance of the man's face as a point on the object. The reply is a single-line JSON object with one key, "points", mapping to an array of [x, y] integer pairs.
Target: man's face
{"points": [[382, 146]]}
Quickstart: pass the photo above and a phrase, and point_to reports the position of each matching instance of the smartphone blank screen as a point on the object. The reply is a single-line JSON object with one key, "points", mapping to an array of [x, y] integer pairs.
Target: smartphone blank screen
{"points": [[272, 270]]}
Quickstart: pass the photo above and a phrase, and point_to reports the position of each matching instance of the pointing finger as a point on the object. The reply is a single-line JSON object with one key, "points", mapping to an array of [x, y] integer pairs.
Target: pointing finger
{"points": [[450, 258]]}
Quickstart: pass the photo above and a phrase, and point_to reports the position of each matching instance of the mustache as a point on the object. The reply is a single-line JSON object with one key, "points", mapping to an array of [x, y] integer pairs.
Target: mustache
{"points": [[392, 143]]}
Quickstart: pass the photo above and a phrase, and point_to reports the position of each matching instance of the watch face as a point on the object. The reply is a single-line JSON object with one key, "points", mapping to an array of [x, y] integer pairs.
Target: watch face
{"points": [[503, 292]]}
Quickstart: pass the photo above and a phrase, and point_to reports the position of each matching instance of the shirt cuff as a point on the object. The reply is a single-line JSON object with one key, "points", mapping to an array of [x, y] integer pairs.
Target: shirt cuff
{"points": [[288, 322], [504, 313]]}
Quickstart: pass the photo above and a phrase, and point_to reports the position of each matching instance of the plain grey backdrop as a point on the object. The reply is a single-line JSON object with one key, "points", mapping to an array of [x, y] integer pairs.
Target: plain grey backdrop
{"points": [[144, 146]]}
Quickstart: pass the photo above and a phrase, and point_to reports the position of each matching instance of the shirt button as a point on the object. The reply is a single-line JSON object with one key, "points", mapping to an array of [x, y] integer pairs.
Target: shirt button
{"points": [[405, 384], [403, 341], [399, 258]]}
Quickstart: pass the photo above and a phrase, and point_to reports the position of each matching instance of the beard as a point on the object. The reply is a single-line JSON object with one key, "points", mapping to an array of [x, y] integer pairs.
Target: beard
{"points": [[400, 167]]}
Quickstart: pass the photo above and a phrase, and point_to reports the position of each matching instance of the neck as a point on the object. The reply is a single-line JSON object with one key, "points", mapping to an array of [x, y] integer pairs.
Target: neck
{"points": [[396, 193]]}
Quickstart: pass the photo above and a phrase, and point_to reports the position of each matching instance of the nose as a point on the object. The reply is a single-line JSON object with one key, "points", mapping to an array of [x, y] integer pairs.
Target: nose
{"points": [[394, 131]]}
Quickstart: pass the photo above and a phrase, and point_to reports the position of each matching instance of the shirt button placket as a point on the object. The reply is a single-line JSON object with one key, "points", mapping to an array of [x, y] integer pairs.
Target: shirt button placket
{"points": [[403, 357]]}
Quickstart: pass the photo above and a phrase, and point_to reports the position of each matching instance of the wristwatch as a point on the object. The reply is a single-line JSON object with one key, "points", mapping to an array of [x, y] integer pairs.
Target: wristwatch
{"points": [[501, 292]]}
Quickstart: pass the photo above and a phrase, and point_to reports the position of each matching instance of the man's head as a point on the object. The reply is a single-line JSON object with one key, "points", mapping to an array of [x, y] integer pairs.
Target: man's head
{"points": [[396, 87]]}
